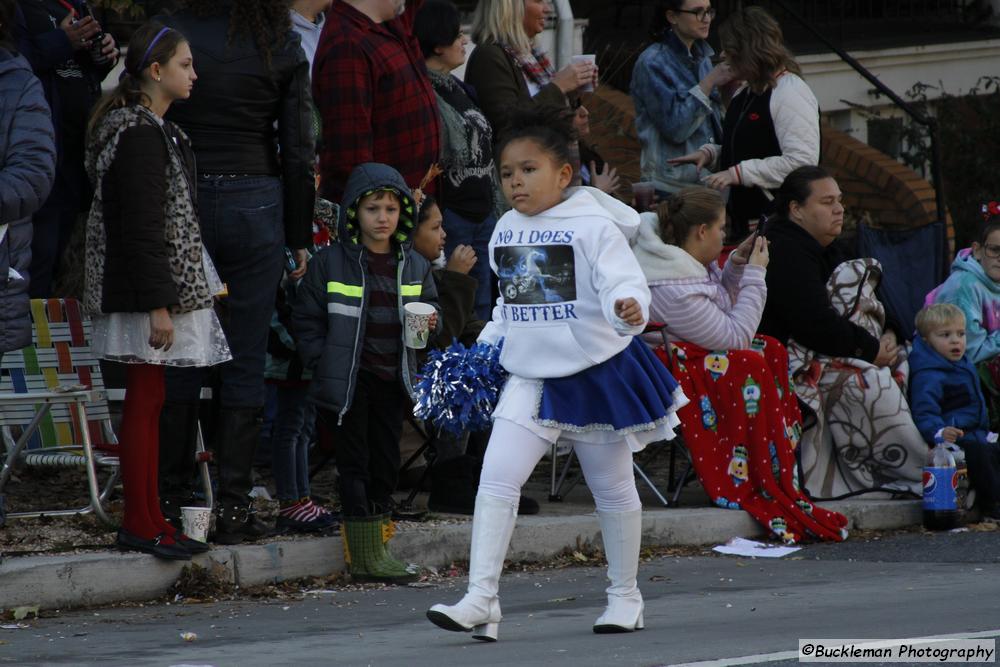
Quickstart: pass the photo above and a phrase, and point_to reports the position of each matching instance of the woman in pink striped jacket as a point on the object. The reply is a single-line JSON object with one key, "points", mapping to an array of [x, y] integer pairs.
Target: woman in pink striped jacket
{"points": [[678, 250]]}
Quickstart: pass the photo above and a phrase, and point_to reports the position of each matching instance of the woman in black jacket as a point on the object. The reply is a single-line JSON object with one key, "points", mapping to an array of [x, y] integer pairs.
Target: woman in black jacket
{"points": [[252, 103], [149, 284]]}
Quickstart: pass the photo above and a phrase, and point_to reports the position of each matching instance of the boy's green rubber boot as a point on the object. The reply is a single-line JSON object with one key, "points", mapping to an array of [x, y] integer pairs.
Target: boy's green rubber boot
{"points": [[366, 555]]}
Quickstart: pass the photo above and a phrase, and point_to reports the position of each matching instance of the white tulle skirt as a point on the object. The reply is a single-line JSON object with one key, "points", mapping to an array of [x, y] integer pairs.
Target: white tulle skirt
{"points": [[198, 336], [124, 337]]}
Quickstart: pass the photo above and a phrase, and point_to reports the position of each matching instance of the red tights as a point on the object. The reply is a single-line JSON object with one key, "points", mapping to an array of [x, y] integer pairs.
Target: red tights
{"points": [[140, 453]]}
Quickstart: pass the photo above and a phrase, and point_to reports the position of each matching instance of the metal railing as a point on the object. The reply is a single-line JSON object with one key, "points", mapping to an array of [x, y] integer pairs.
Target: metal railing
{"points": [[915, 115]]}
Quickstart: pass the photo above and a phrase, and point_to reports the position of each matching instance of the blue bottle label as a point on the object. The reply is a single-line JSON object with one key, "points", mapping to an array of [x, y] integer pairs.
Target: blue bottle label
{"points": [[939, 489]]}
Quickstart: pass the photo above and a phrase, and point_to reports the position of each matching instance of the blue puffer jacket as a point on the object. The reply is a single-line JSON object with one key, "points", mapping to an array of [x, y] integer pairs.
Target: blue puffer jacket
{"points": [[27, 168], [945, 393], [330, 309]]}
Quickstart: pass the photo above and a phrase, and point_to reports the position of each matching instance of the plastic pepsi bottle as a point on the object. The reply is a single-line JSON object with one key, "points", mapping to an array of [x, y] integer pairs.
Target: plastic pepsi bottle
{"points": [[940, 482]]}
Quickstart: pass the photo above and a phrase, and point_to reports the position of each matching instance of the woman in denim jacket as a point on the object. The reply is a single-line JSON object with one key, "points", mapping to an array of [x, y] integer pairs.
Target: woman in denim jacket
{"points": [[677, 105]]}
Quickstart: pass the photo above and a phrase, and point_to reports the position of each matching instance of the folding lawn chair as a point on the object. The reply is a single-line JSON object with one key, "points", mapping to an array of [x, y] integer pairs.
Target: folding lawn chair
{"points": [[54, 410]]}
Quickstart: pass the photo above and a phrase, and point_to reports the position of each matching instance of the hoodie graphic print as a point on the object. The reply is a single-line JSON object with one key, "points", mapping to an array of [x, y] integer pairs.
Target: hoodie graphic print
{"points": [[561, 272]]}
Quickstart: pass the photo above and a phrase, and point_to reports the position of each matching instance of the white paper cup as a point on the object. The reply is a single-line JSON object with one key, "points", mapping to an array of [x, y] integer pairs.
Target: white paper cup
{"points": [[195, 521], [585, 58], [416, 328]]}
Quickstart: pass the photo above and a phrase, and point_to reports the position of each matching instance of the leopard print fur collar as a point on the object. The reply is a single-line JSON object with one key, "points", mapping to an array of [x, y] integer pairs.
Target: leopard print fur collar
{"points": [[182, 233]]}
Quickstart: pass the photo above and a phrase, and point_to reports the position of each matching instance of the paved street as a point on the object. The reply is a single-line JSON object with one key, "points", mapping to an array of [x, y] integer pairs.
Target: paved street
{"points": [[697, 609]]}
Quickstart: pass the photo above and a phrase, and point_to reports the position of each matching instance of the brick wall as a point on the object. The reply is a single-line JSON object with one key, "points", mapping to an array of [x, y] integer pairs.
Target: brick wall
{"points": [[891, 193]]}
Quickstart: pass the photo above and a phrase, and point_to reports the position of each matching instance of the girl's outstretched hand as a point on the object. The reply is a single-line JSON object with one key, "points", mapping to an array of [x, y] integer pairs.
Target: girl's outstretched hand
{"points": [[629, 310]]}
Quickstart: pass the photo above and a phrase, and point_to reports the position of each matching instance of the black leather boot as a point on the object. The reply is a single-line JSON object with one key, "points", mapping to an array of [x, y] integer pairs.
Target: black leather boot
{"points": [[453, 485], [178, 434], [235, 443]]}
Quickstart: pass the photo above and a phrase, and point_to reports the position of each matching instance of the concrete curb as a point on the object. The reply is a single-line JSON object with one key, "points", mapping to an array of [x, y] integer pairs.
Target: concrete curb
{"points": [[79, 580]]}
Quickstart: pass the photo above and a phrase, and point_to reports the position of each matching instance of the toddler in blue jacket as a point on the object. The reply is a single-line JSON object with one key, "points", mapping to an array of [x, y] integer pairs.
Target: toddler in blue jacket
{"points": [[947, 401]]}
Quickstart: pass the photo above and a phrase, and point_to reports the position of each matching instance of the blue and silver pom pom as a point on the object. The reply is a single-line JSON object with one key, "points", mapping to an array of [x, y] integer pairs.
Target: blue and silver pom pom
{"points": [[459, 387]]}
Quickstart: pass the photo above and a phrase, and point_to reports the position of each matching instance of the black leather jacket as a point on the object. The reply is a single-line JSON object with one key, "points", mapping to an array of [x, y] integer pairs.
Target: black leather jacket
{"points": [[233, 108]]}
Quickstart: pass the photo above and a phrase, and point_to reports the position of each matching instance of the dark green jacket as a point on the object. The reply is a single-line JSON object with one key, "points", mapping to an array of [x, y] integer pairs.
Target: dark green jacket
{"points": [[330, 309]]}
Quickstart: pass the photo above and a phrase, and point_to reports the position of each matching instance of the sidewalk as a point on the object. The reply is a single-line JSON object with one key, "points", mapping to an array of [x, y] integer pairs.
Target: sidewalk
{"points": [[64, 581]]}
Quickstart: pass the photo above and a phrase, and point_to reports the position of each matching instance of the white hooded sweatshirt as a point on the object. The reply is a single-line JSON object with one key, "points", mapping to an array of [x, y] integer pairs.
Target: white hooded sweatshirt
{"points": [[561, 272]]}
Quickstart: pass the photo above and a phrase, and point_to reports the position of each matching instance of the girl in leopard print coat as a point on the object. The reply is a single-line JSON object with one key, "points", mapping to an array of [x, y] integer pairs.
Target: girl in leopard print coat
{"points": [[149, 283]]}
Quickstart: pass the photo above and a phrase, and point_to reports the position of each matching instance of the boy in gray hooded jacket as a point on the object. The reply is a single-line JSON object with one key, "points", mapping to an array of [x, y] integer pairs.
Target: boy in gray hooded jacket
{"points": [[348, 324]]}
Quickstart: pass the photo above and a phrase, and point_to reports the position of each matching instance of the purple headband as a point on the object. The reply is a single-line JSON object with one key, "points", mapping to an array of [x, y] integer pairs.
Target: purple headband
{"points": [[145, 56]]}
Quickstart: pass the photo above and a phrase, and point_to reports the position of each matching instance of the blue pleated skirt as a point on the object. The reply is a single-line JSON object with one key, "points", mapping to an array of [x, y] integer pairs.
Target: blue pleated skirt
{"points": [[630, 392]]}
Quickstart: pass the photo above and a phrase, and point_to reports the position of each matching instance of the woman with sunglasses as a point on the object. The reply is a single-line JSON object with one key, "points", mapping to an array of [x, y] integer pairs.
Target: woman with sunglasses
{"points": [[676, 91]]}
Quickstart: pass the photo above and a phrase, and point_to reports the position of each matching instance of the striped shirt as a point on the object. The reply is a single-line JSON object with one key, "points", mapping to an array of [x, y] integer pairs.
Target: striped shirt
{"points": [[383, 329], [718, 311]]}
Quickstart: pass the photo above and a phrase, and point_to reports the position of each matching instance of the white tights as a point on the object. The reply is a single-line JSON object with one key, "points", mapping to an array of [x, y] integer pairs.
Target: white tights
{"points": [[514, 451]]}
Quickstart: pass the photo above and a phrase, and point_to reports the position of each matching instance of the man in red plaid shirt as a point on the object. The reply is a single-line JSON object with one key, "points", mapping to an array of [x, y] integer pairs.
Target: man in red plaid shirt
{"points": [[371, 87]]}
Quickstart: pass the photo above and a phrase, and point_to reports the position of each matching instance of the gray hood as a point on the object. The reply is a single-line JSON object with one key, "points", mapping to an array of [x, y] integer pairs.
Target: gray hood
{"points": [[364, 180]]}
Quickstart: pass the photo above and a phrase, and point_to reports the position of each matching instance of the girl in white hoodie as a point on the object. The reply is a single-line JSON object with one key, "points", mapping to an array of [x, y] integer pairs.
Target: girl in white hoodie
{"points": [[572, 299]]}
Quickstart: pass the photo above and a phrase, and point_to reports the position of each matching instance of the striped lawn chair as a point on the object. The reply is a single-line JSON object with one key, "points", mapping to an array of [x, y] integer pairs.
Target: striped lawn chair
{"points": [[53, 407]]}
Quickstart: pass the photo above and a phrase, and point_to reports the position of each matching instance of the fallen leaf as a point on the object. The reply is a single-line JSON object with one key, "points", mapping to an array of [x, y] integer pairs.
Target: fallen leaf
{"points": [[580, 557]]}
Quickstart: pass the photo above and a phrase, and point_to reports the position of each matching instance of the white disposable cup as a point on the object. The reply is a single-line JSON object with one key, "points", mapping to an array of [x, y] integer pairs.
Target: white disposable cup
{"points": [[586, 58], [195, 521], [417, 324]]}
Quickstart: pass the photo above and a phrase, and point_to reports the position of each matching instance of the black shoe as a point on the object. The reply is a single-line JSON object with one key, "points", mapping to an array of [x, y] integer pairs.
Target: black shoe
{"points": [[129, 542], [235, 525], [527, 506], [454, 483], [191, 545], [991, 515]]}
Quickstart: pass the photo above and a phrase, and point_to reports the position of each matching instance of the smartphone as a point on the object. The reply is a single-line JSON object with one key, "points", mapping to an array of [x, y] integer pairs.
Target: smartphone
{"points": [[290, 264], [97, 41], [760, 231]]}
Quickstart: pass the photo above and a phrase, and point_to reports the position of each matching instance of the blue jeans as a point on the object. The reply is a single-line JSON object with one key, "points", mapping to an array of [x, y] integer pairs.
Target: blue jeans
{"points": [[242, 227], [476, 234], [293, 430]]}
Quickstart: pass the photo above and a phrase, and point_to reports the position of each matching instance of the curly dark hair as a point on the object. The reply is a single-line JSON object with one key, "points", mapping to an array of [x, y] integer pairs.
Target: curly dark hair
{"points": [[266, 22]]}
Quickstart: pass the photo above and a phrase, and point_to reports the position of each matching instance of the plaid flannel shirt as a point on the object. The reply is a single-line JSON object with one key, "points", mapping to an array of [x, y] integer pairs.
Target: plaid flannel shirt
{"points": [[375, 98]]}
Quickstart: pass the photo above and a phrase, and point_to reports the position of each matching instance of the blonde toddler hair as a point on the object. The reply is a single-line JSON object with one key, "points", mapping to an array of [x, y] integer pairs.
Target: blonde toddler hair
{"points": [[932, 317]]}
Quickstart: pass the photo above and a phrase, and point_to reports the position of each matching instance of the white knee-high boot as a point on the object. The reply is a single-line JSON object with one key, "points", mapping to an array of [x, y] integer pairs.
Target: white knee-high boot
{"points": [[479, 611], [622, 533]]}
